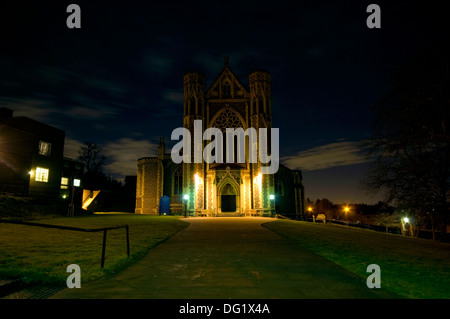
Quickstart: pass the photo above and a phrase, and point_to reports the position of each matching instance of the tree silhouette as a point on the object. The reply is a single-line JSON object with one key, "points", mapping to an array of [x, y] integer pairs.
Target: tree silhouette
{"points": [[91, 155], [411, 139]]}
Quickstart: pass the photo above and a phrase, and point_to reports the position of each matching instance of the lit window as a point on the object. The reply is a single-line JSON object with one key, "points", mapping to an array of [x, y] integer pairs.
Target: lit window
{"points": [[76, 182], [41, 174], [64, 182], [45, 148]]}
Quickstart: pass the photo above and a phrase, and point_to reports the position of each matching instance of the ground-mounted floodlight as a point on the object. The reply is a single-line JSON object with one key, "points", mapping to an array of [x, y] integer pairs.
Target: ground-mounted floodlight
{"points": [[272, 199]]}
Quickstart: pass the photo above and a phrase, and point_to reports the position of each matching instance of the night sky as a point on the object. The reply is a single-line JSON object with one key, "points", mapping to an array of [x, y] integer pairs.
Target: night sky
{"points": [[117, 81]]}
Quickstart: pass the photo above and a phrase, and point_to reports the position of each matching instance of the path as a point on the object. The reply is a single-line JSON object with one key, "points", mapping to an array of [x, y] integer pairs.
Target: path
{"points": [[230, 257]]}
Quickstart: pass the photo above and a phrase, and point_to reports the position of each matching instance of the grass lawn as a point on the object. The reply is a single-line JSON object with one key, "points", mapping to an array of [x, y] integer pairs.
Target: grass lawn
{"points": [[43, 254], [410, 267]]}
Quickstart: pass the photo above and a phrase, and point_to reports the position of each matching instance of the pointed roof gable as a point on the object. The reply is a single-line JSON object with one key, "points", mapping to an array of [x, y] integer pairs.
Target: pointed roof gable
{"points": [[227, 75]]}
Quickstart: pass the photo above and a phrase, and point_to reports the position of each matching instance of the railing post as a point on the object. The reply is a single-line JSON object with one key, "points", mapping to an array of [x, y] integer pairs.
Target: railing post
{"points": [[104, 247], [128, 241]]}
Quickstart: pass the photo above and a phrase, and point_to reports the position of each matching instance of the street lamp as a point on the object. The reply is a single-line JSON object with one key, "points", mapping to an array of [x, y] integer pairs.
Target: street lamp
{"points": [[75, 183], [346, 209], [186, 199], [310, 212], [406, 227]]}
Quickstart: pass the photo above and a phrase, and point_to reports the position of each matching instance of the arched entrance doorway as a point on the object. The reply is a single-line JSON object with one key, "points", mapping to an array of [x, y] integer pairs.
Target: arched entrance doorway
{"points": [[228, 199], [228, 195]]}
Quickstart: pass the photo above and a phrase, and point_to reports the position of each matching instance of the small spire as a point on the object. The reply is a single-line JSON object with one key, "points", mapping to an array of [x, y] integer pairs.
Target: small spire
{"points": [[161, 147], [227, 60]]}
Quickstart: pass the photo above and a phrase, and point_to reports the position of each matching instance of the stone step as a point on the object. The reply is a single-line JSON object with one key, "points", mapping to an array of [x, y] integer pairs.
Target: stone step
{"points": [[229, 215], [46, 292], [8, 286]]}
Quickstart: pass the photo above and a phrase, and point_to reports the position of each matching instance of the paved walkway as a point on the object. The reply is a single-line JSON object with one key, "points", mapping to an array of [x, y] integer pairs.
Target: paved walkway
{"points": [[229, 257]]}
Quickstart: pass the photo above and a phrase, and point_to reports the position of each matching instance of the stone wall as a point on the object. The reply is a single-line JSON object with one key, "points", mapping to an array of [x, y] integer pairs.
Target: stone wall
{"points": [[149, 185]]}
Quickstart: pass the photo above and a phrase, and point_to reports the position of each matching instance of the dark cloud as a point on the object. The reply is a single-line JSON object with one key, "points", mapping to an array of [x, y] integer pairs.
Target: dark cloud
{"points": [[157, 64], [173, 96], [335, 154], [122, 155], [118, 81]]}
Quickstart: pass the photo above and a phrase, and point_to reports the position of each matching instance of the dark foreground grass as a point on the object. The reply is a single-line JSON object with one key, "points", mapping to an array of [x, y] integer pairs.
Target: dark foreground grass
{"points": [[41, 255], [410, 267]]}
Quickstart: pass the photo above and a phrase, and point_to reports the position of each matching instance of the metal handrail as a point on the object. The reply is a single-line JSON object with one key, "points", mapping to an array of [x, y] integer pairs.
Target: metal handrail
{"points": [[90, 230]]}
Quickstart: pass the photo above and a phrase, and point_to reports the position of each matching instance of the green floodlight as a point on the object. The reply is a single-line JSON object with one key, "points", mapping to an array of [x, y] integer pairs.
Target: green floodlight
{"points": [[186, 197], [271, 196]]}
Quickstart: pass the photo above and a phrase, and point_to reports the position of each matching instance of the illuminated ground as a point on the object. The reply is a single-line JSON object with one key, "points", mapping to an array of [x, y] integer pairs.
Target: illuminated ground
{"points": [[229, 258]]}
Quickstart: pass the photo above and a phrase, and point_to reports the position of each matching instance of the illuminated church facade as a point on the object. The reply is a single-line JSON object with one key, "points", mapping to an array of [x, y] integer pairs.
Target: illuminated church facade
{"points": [[220, 189]]}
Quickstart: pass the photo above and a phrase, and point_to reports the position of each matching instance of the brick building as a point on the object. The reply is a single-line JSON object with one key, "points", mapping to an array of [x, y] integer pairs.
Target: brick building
{"points": [[31, 156], [32, 161]]}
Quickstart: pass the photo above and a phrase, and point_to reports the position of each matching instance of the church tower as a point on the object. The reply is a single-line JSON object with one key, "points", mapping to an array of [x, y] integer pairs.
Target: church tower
{"points": [[194, 109], [260, 99], [261, 117]]}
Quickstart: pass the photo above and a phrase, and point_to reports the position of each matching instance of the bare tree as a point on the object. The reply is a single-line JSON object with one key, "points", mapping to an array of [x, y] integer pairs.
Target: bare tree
{"points": [[411, 140], [91, 155]]}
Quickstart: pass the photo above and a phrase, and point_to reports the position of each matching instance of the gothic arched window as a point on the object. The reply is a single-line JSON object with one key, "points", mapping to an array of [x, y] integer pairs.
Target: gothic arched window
{"points": [[261, 104], [228, 119], [279, 187], [178, 181], [192, 106]]}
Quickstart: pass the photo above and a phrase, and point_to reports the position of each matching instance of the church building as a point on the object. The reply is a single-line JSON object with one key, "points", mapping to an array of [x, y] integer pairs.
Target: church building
{"points": [[220, 189]]}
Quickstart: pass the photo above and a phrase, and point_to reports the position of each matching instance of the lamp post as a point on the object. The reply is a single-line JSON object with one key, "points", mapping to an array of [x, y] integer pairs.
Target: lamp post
{"points": [[186, 199], [272, 199], [406, 226], [27, 191], [74, 182], [310, 211], [346, 209]]}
